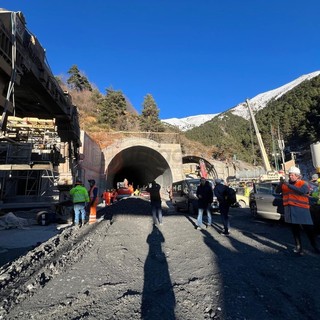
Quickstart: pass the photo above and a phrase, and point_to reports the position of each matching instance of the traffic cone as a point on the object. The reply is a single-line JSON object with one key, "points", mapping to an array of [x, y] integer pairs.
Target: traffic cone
{"points": [[93, 212]]}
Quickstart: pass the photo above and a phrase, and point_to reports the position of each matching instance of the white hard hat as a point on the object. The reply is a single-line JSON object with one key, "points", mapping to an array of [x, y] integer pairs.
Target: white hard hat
{"points": [[294, 170]]}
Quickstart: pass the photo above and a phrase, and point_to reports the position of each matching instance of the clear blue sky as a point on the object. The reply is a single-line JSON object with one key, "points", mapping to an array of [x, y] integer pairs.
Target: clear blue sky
{"points": [[193, 57]]}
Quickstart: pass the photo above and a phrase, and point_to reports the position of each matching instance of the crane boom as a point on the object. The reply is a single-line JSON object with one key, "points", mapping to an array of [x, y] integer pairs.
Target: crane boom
{"points": [[265, 159]]}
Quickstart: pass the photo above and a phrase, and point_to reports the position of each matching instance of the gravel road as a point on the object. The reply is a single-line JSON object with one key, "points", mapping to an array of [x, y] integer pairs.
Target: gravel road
{"points": [[125, 268]]}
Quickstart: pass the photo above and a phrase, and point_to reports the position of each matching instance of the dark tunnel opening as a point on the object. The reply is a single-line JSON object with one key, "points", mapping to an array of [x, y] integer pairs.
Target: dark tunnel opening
{"points": [[139, 165], [133, 173]]}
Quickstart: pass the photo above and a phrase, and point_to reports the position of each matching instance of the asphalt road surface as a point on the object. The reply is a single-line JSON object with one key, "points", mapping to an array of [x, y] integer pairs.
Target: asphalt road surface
{"points": [[125, 268]]}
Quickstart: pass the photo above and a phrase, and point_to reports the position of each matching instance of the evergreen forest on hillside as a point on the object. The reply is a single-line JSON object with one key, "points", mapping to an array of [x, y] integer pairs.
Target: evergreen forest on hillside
{"points": [[294, 117]]}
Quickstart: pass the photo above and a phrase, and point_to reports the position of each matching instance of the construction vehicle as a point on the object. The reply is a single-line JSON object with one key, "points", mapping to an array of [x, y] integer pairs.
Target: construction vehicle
{"points": [[270, 174]]}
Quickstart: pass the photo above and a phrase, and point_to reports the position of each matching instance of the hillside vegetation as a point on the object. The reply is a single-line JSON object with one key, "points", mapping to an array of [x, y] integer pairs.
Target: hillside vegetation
{"points": [[102, 114], [294, 118]]}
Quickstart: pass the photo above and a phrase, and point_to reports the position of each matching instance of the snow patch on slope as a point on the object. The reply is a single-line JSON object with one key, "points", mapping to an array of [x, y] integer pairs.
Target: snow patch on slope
{"points": [[257, 103], [260, 101], [188, 123]]}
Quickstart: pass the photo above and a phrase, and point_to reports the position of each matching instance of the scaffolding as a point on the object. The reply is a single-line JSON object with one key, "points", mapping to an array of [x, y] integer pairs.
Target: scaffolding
{"points": [[29, 159]]}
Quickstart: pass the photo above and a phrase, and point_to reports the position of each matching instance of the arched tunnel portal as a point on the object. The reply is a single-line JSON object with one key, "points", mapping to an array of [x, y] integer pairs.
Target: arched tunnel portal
{"points": [[139, 165], [141, 161]]}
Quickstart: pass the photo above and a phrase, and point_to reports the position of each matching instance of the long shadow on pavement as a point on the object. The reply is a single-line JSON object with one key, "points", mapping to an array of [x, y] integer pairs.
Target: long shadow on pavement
{"points": [[158, 299]]}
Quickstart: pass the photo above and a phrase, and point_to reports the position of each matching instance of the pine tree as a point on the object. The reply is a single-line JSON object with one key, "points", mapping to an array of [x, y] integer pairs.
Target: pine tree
{"points": [[112, 109], [77, 81], [149, 119]]}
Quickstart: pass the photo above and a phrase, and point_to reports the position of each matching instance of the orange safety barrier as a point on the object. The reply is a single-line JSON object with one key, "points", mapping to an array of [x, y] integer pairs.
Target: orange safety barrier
{"points": [[93, 212]]}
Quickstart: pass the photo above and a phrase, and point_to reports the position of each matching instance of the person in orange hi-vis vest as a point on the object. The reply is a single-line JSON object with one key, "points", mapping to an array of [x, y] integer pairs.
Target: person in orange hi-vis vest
{"points": [[130, 187], [295, 197], [93, 195], [114, 194], [107, 197]]}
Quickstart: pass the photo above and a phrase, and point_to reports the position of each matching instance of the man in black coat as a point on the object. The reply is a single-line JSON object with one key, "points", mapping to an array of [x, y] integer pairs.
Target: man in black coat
{"points": [[221, 191], [205, 198], [155, 199]]}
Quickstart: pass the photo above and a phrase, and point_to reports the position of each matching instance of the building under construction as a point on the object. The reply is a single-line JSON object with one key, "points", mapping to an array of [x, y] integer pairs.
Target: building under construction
{"points": [[39, 129]]}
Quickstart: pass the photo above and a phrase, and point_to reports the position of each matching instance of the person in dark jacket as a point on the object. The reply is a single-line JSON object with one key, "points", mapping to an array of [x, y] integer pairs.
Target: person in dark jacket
{"points": [[155, 199], [205, 198], [220, 191]]}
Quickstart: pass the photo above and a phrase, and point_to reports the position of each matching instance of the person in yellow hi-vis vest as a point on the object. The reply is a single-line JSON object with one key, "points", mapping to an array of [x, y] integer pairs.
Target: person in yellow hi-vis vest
{"points": [[80, 198], [315, 194], [93, 195], [246, 190]]}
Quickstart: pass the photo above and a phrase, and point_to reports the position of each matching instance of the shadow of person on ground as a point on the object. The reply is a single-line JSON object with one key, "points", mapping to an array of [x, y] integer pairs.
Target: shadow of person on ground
{"points": [[158, 299]]}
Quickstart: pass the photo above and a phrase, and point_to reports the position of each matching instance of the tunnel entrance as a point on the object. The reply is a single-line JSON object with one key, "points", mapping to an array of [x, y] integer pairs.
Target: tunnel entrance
{"points": [[139, 165]]}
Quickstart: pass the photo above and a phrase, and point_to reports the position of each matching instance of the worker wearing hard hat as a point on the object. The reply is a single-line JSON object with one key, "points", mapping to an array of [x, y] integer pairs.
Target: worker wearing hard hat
{"points": [[296, 208]]}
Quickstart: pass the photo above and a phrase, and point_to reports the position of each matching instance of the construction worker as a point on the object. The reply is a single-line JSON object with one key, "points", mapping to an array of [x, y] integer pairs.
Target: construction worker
{"points": [[247, 190], [314, 189], [93, 194], [106, 196], [114, 194], [130, 187], [80, 198]]}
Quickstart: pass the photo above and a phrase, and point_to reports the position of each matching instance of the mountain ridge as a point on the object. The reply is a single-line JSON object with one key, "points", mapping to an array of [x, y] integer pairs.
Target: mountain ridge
{"points": [[257, 103]]}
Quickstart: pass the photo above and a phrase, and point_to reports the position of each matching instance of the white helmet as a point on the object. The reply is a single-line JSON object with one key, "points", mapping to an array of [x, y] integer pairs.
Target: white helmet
{"points": [[294, 170]]}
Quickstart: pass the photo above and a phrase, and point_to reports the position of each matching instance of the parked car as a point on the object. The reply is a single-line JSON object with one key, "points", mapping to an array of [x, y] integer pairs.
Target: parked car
{"points": [[184, 196], [242, 201], [265, 202]]}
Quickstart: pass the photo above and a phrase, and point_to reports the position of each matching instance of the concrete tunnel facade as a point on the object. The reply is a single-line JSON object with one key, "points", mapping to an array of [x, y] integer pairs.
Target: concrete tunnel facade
{"points": [[141, 161]]}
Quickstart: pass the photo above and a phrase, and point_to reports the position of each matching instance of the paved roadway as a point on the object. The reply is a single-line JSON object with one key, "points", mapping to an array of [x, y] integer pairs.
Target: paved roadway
{"points": [[132, 270]]}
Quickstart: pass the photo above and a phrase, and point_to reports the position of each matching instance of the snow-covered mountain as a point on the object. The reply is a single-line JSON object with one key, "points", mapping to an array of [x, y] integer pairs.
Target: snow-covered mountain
{"points": [[261, 100], [188, 123], [256, 103]]}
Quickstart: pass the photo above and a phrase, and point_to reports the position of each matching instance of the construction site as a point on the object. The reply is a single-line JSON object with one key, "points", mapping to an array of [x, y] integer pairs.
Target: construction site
{"points": [[43, 150], [40, 134]]}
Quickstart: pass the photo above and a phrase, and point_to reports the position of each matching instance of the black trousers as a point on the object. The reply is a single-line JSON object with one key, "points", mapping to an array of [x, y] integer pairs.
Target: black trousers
{"points": [[309, 230]]}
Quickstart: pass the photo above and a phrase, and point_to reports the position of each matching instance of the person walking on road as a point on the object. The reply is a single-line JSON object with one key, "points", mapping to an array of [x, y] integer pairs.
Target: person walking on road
{"points": [[205, 198], [80, 198], [296, 208], [155, 199], [221, 192]]}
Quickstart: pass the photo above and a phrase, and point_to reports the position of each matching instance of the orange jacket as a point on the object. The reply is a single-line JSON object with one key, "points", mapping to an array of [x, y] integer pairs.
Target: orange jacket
{"points": [[107, 195], [292, 198]]}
